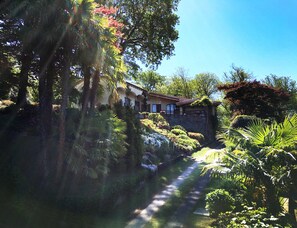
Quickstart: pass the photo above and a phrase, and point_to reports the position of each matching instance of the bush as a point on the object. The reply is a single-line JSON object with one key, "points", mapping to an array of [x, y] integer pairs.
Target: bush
{"points": [[250, 217], [242, 121], [197, 136], [178, 132], [187, 143], [159, 120], [184, 142], [204, 101], [236, 188], [219, 201], [156, 117], [179, 127]]}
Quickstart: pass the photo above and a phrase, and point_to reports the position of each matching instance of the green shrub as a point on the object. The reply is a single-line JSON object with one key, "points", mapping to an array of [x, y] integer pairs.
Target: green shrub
{"points": [[163, 125], [204, 101], [178, 132], [187, 143], [197, 136], [231, 185], [219, 201], [250, 217], [182, 136], [179, 127], [148, 125], [236, 188], [156, 117], [159, 120], [242, 121]]}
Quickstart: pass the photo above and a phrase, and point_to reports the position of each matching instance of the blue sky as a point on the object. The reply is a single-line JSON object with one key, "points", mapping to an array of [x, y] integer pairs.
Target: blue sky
{"points": [[258, 35]]}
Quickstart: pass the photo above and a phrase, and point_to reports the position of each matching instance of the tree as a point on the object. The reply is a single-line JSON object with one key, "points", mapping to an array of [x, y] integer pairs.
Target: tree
{"points": [[149, 29], [287, 84], [254, 98], [59, 31], [205, 84], [237, 74], [180, 84], [150, 79]]}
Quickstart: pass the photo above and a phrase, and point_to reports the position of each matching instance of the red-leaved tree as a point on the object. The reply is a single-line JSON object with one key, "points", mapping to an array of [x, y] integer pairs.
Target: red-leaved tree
{"points": [[255, 98]]}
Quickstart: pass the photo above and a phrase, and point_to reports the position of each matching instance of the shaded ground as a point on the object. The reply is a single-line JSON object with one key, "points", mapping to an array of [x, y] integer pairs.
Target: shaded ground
{"points": [[160, 199], [22, 210]]}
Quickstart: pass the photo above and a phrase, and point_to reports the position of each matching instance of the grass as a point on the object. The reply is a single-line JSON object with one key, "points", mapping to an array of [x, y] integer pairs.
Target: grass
{"points": [[19, 210]]}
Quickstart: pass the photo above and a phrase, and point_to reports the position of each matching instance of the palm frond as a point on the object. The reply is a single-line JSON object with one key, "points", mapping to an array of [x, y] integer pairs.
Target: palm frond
{"points": [[215, 168], [287, 132]]}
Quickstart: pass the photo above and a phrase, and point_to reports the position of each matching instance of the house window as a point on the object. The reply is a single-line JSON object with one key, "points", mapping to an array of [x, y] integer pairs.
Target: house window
{"points": [[170, 108], [127, 101], [156, 108]]}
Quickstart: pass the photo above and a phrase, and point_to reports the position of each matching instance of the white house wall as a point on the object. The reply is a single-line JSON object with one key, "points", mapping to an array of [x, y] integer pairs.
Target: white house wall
{"points": [[122, 94], [158, 100], [104, 99]]}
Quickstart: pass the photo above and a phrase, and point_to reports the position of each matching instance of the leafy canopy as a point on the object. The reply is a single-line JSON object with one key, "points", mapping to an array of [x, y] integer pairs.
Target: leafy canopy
{"points": [[150, 79], [149, 29], [255, 98], [205, 84]]}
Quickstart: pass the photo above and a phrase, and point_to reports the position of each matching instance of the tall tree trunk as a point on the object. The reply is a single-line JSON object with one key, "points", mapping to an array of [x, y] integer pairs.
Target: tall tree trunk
{"points": [[94, 90], [26, 60], [45, 106], [86, 89], [65, 92]]}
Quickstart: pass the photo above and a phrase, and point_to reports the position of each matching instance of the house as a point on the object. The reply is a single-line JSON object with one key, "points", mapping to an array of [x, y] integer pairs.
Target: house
{"points": [[157, 103], [176, 110], [129, 94]]}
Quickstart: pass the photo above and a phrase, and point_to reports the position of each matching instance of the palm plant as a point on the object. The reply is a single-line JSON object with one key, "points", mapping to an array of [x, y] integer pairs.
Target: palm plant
{"points": [[97, 51], [264, 154]]}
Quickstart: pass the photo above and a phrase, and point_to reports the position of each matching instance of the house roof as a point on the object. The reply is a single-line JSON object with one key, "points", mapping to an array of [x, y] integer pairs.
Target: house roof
{"points": [[168, 97], [135, 86], [186, 102]]}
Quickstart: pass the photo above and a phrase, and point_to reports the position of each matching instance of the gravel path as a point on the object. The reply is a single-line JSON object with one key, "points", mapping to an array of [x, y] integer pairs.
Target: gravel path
{"points": [[160, 199]]}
